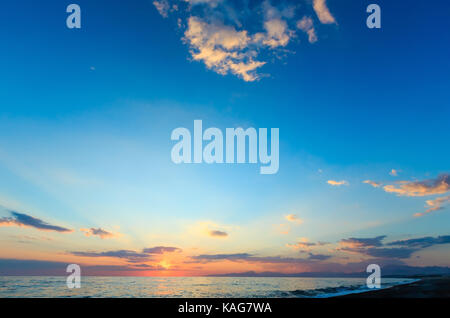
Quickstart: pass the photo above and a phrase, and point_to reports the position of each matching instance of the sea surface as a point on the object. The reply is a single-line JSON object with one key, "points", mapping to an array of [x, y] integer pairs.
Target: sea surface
{"points": [[245, 287]]}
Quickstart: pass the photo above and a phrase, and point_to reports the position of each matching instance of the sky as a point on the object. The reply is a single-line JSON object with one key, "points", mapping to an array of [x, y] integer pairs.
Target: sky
{"points": [[86, 117]]}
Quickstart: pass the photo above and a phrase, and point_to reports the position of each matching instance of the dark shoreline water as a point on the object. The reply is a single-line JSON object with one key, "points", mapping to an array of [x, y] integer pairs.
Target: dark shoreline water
{"points": [[425, 287]]}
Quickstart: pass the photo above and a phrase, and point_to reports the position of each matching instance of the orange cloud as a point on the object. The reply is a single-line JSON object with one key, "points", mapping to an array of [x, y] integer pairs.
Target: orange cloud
{"points": [[439, 185], [394, 172], [304, 245], [337, 183], [434, 205], [322, 11], [373, 183], [103, 234], [294, 219]]}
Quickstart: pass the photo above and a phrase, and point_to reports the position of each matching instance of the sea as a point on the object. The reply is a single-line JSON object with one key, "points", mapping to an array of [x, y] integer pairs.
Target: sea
{"points": [[189, 287]]}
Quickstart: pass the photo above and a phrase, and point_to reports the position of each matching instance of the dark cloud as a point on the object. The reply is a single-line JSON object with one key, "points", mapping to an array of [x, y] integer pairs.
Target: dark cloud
{"points": [[21, 219], [363, 242], [318, 257], [161, 250], [131, 256], [422, 242], [402, 252], [16, 267], [402, 249], [103, 234], [218, 233], [374, 247], [218, 257]]}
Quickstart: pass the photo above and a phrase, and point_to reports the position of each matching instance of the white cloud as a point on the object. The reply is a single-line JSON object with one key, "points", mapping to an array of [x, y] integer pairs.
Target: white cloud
{"points": [[222, 48], [337, 183], [163, 7], [306, 25], [238, 39], [322, 11], [277, 33]]}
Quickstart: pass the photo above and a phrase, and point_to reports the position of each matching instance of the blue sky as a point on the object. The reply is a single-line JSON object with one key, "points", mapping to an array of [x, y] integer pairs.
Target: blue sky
{"points": [[86, 117]]}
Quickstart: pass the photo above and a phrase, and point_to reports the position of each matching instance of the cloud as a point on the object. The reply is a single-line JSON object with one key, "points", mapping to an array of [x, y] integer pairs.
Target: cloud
{"points": [[282, 228], [304, 245], [322, 11], [318, 257], [380, 252], [21, 219], [373, 183], [161, 250], [103, 234], [434, 205], [390, 252], [294, 219], [163, 7], [423, 242], [306, 25], [217, 233], [394, 172], [212, 3], [277, 34], [337, 183], [439, 185], [222, 49], [220, 257], [402, 249], [362, 242], [238, 38], [131, 256], [51, 268]]}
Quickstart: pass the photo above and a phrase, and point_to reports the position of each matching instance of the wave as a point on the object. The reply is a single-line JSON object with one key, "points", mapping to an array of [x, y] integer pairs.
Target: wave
{"points": [[342, 290]]}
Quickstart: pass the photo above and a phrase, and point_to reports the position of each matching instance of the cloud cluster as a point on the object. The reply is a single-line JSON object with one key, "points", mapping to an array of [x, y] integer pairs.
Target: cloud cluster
{"points": [[237, 37], [25, 220]]}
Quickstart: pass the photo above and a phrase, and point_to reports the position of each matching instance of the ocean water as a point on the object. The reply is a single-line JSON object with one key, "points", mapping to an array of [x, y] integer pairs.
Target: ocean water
{"points": [[245, 287]]}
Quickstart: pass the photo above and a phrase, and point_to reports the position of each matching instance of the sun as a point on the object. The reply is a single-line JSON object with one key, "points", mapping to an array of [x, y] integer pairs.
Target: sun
{"points": [[164, 264]]}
